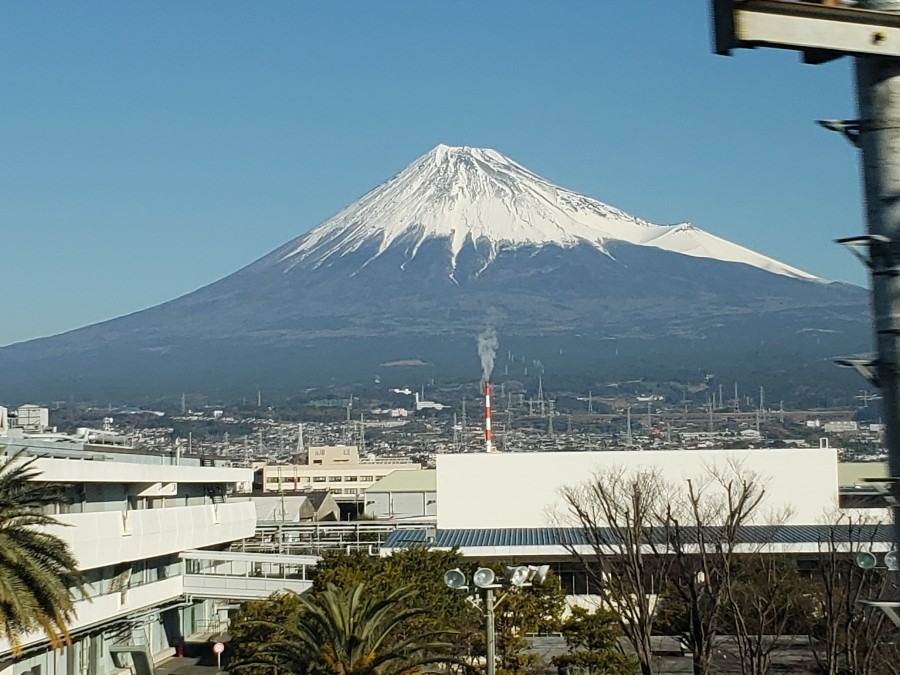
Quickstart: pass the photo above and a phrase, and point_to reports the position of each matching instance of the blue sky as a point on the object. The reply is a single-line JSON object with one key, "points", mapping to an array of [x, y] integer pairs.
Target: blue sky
{"points": [[151, 148]]}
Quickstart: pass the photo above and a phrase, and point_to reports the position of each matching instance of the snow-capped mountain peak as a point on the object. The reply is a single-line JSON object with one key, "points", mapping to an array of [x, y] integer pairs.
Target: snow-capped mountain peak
{"points": [[467, 195]]}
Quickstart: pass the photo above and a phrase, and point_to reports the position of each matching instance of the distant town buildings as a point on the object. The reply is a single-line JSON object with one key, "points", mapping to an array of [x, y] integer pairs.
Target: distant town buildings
{"points": [[337, 469]]}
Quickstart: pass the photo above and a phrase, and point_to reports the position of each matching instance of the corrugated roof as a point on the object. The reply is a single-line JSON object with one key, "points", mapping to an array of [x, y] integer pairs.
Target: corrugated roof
{"points": [[423, 480], [561, 536]]}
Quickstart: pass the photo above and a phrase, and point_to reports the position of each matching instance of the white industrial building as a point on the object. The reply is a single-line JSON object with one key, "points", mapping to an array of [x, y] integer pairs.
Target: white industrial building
{"points": [[509, 505], [522, 490], [132, 521], [403, 494]]}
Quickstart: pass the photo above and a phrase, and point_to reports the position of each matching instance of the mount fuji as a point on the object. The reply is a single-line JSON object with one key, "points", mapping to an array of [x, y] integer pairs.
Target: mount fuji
{"points": [[406, 276]]}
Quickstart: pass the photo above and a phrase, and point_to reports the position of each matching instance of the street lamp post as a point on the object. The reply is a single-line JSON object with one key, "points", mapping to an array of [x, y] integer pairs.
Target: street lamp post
{"points": [[486, 581], [490, 635]]}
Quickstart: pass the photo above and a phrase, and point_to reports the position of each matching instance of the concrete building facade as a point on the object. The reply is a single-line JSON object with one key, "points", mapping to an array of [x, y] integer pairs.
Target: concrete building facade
{"points": [[129, 519], [337, 469]]}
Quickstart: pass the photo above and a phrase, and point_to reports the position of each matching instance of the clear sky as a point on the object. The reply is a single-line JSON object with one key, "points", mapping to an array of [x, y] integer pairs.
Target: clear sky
{"points": [[148, 149]]}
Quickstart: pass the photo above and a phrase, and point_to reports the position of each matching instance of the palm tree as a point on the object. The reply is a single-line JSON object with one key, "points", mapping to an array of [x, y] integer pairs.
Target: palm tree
{"points": [[38, 572], [350, 632]]}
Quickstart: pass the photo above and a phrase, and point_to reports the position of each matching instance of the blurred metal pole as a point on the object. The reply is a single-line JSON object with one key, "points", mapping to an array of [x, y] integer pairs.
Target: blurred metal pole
{"points": [[878, 96]]}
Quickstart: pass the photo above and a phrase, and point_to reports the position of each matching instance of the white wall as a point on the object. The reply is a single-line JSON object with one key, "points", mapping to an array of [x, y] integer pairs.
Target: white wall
{"points": [[93, 471], [108, 537], [507, 490], [104, 608]]}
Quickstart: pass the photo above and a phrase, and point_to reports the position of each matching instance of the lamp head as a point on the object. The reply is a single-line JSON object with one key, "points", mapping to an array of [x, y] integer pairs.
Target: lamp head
{"points": [[892, 561], [538, 574], [455, 579], [484, 577], [518, 576], [865, 560]]}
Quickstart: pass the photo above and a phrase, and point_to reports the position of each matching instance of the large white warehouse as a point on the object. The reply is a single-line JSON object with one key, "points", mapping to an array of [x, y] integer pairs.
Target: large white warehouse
{"points": [[522, 490]]}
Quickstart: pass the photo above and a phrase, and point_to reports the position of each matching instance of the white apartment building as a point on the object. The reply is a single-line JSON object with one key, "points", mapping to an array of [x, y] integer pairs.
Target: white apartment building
{"points": [[130, 520], [337, 469]]}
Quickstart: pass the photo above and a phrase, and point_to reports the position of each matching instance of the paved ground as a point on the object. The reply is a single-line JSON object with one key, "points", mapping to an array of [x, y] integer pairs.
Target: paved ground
{"points": [[198, 658], [185, 665]]}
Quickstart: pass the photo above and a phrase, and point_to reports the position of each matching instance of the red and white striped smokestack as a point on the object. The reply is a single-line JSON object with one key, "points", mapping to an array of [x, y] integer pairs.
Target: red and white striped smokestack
{"points": [[488, 445]]}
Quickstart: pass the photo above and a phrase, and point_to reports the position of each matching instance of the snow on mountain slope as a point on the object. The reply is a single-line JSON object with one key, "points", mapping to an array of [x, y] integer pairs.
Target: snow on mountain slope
{"points": [[468, 195]]}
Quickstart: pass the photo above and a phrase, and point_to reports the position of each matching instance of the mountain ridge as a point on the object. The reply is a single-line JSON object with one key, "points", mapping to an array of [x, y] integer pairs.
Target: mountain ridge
{"points": [[381, 281], [466, 195]]}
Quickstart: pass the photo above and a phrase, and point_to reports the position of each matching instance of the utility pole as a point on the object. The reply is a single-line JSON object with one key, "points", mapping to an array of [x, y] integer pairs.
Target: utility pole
{"points": [[628, 426], [465, 437], [541, 394], [878, 95], [867, 33]]}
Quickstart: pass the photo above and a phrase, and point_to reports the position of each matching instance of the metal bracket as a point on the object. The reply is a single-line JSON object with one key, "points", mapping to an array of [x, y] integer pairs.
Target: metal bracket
{"points": [[868, 241], [865, 367], [849, 129], [891, 494]]}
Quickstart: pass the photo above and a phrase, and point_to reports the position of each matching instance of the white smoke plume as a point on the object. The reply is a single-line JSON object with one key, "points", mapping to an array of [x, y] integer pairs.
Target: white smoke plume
{"points": [[487, 350]]}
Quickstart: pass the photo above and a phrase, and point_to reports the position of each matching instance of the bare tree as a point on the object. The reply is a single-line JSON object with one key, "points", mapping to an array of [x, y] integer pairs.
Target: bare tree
{"points": [[767, 601], [617, 511], [850, 637], [703, 531], [645, 535]]}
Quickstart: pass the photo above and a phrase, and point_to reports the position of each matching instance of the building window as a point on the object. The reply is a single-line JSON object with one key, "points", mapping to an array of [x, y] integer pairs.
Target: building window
{"points": [[334, 479], [350, 479], [318, 479], [366, 479]]}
